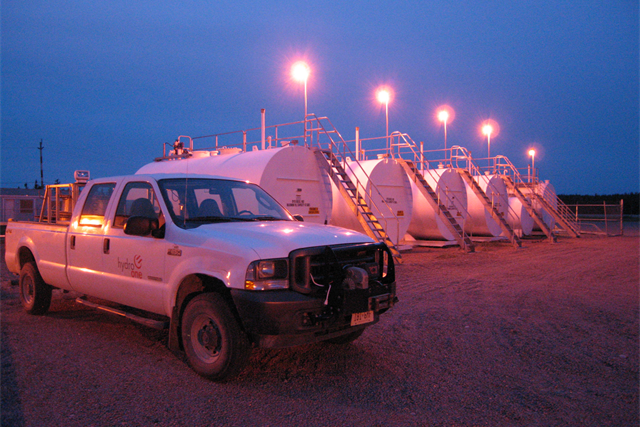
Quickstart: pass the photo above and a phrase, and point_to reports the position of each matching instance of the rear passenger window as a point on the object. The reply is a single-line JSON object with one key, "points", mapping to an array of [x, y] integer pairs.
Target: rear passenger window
{"points": [[96, 204]]}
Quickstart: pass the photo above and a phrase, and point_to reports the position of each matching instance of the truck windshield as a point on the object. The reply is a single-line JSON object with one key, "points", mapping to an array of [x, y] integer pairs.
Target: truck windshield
{"points": [[196, 201]]}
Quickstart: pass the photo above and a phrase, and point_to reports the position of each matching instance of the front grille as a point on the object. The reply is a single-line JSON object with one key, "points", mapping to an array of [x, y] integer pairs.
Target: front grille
{"points": [[313, 270]]}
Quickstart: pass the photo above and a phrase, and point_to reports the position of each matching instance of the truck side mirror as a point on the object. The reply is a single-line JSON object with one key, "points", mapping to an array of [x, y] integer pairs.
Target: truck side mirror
{"points": [[141, 226]]}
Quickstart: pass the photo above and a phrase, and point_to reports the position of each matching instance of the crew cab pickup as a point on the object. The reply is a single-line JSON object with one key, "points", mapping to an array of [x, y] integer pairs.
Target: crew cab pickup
{"points": [[218, 261]]}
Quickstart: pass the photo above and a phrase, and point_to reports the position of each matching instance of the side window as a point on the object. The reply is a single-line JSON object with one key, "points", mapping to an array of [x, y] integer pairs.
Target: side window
{"points": [[138, 199], [96, 204]]}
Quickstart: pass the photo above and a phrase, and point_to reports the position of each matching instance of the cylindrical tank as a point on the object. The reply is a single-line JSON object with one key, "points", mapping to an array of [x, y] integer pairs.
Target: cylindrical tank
{"points": [[290, 174], [426, 224], [518, 217], [392, 202], [480, 221], [548, 192]]}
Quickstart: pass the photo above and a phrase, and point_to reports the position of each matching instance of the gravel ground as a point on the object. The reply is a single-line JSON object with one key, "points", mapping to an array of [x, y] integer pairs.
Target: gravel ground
{"points": [[538, 336]]}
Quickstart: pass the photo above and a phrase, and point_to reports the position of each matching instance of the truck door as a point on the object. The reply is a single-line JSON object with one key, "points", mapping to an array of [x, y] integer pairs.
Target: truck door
{"points": [[86, 241], [134, 265]]}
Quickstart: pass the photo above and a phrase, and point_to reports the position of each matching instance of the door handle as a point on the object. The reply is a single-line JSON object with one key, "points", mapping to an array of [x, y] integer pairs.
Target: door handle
{"points": [[72, 242], [105, 246]]}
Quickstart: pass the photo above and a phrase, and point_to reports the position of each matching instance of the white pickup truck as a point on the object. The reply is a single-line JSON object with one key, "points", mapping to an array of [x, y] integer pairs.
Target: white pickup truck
{"points": [[218, 261]]}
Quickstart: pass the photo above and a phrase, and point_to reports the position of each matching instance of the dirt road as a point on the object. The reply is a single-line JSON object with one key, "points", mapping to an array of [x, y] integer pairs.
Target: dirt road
{"points": [[539, 336]]}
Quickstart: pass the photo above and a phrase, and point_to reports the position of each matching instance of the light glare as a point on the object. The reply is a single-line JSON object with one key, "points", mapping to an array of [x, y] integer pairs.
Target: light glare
{"points": [[443, 115], [383, 96], [300, 71], [487, 129], [532, 152]]}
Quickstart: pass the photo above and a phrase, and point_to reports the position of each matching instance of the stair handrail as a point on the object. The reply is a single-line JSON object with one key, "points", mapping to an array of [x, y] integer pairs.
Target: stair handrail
{"points": [[462, 154], [561, 208]]}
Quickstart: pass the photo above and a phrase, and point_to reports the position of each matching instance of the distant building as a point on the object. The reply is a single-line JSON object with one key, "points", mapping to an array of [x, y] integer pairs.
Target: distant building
{"points": [[21, 204]]}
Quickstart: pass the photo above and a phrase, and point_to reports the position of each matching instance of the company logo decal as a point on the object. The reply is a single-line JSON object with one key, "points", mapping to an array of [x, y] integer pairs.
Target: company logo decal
{"points": [[132, 268]]}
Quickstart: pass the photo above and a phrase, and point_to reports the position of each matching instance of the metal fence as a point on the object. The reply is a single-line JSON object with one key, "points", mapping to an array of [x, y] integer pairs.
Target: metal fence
{"points": [[605, 219]]}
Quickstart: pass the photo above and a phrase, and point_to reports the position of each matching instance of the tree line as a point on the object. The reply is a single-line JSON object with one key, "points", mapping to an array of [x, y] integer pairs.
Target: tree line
{"points": [[631, 201]]}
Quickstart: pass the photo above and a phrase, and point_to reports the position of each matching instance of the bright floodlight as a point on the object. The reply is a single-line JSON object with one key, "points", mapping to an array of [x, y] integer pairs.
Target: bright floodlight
{"points": [[532, 152], [383, 96], [443, 116], [487, 129], [300, 71]]}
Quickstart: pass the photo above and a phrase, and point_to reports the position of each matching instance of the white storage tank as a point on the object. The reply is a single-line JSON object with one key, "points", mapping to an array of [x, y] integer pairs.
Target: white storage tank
{"points": [[518, 217], [480, 221], [426, 224], [392, 202], [290, 174]]}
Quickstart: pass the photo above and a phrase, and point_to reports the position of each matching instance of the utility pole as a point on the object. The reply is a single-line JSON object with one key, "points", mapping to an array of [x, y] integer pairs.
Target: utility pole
{"points": [[41, 171]]}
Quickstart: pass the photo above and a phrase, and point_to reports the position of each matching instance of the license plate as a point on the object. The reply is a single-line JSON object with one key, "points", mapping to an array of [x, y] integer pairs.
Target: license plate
{"points": [[361, 318]]}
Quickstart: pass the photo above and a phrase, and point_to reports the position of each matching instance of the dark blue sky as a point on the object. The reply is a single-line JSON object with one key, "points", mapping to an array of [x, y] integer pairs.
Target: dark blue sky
{"points": [[104, 84]]}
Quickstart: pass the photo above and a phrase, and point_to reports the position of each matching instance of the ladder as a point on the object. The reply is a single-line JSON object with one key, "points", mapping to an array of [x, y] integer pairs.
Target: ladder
{"points": [[59, 202], [372, 227], [497, 216], [529, 207], [450, 222]]}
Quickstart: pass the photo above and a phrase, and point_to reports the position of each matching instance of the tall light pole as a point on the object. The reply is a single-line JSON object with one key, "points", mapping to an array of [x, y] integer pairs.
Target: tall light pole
{"points": [[487, 129], [300, 72], [384, 96], [532, 153]]}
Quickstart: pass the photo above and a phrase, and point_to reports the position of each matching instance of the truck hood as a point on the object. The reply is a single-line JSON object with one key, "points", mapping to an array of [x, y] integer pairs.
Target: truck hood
{"points": [[275, 239]]}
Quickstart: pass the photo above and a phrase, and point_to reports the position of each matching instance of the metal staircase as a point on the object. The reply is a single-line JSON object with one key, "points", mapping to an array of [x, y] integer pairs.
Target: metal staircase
{"points": [[372, 227], [513, 188], [567, 225], [561, 213], [489, 206], [450, 222]]}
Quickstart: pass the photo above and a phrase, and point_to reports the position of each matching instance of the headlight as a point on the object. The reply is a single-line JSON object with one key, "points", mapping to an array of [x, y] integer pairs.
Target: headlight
{"points": [[267, 274]]}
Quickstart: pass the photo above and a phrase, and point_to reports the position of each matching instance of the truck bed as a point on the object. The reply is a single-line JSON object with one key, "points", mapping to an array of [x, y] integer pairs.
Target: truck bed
{"points": [[47, 245]]}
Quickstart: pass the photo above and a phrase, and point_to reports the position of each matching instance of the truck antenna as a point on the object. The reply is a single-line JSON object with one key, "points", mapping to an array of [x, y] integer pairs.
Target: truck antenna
{"points": [[41, 170]]}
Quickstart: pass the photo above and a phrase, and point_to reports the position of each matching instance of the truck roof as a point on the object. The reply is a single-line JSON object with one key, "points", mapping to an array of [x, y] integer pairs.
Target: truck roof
{"points": [[160, 176]]}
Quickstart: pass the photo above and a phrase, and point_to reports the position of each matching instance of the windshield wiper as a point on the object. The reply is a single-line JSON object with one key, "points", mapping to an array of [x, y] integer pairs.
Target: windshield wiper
{"points": [[270, 218], [258, 218]]}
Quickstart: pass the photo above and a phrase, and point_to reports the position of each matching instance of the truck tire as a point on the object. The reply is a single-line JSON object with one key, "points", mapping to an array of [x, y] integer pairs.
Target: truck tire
{"points": [[346, 339], [35, 295], [215, 346]]}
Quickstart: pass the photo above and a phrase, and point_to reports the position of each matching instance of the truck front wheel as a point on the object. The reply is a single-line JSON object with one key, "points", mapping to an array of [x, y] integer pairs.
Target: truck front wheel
{"points": [[35, 295], [215, 346]]}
